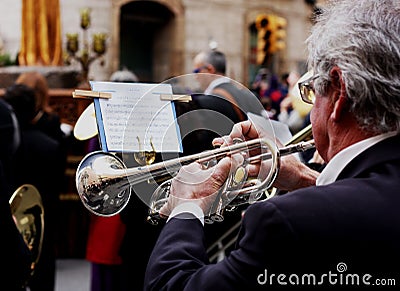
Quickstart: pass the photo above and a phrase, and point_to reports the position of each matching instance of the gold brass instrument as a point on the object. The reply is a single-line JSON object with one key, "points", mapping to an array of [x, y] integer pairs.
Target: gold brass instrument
{"points": [[28, 213], [302, 135], [104, 183]]}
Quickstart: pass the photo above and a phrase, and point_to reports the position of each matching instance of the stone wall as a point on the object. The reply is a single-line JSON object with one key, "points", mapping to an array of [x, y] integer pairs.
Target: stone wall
{"points": [[198, 21]]}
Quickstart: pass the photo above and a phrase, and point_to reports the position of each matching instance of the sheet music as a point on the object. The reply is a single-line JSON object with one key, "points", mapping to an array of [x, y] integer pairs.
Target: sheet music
{"points": [[135, 116]]}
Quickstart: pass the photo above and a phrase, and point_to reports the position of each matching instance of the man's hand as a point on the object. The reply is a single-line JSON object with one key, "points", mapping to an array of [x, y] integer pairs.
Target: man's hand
{"points": [[197, 184], [293, 174]]}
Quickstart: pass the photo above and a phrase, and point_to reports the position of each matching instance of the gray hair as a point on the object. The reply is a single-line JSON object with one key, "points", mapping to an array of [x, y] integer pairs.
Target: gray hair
{"points": [[218, 60], [362, 38], [124, 76], [213, 57]]}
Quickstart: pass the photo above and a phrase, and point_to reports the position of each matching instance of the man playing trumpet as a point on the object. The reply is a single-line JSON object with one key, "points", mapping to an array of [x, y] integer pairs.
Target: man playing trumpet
{"points": [[340, 227]]}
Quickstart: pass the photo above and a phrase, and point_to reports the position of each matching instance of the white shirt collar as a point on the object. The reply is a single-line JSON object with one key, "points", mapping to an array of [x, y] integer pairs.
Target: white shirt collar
{"points": [[215, 83], [341, 159]]}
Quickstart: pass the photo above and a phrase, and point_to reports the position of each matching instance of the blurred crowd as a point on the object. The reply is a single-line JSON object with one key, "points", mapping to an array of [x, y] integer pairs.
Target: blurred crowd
{"points": [[281, 99]]}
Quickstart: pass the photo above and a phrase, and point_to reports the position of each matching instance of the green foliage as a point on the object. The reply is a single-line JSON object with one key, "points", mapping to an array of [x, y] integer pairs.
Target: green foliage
{"points": [[5, 60]]}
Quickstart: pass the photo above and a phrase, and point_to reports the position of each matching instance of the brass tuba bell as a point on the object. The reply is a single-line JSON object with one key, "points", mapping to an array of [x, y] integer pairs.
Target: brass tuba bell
{"points": [[28, 214]]}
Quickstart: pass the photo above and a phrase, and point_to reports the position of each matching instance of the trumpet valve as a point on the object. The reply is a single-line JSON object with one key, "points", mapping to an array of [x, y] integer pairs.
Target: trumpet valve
{"points": [[217, 217]]}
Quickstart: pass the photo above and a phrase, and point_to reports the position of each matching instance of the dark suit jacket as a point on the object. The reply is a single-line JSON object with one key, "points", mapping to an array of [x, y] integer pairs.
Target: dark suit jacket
{"points": [[348, 228], [209, 116]]}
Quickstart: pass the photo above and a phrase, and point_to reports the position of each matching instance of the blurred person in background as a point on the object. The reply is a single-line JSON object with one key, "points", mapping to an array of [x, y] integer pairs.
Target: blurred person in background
{"points": [[274, 93], [17, 257], [218, 94], [124, 76], [260, 83], [37, 162], [45, 119], [293, 111], [270, 90]]}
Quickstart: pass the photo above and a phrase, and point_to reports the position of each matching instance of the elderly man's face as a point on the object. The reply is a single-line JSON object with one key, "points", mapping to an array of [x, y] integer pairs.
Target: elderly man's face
{"points": [[203, 76]]}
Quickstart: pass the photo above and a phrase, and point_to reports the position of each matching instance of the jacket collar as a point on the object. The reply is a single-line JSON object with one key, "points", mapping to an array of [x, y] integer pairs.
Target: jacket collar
{"points": [[382, 152]]}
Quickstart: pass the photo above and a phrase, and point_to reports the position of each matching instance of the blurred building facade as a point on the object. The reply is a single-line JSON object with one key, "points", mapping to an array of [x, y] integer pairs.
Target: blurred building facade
{"points": [[158, 39]]}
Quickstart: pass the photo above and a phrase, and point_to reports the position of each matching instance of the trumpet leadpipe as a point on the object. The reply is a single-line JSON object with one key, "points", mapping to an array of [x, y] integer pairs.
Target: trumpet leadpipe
{"points": [[284, 151]]}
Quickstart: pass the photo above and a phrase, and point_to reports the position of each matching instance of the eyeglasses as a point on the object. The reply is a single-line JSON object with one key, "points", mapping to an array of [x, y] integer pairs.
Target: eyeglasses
{"points": [[306, 88], [198, 70]]}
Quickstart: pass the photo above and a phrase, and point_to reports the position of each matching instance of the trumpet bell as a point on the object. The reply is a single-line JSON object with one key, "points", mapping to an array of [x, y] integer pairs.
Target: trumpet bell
{"points": [[100, 185], [28, 213]]}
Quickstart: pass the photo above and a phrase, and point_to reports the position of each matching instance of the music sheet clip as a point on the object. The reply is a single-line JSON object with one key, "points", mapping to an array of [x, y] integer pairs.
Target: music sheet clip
{"points": [[90, 94], [172, 97]]}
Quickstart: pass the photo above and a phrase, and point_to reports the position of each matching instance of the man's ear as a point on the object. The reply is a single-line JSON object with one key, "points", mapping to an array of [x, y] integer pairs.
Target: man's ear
{"points": [[210, 69], [339, 95]]}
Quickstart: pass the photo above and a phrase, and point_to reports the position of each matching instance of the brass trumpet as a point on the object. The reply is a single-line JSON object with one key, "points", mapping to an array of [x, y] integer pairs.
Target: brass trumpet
{"points": [[104, 182]]}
